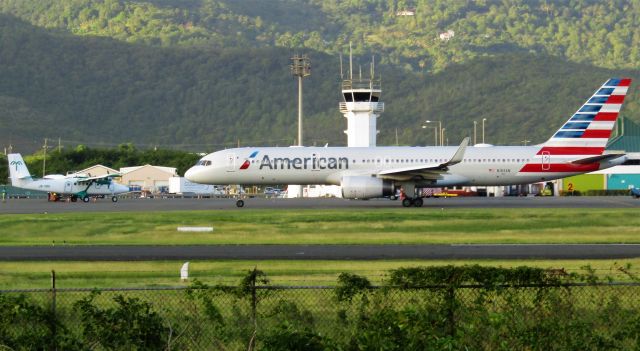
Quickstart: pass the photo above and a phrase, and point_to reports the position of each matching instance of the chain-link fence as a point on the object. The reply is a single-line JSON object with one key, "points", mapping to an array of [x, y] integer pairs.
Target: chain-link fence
{"points": [[560, 317]]}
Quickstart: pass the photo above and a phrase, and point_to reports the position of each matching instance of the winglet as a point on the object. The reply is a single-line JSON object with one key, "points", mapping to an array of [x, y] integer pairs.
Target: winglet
{"points": [[459, 155]]}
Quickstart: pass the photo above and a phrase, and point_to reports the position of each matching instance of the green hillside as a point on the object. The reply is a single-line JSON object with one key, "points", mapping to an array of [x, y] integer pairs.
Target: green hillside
{"points": [[404, 32], [116, 84]]}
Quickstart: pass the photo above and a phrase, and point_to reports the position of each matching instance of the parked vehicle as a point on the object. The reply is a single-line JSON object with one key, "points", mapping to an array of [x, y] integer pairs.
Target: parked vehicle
{"points": [[635, 192], [271, 191]]}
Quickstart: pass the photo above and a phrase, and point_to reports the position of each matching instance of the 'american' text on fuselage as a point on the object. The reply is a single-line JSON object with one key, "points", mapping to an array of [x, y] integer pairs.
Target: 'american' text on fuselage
{"points": [[304, 163]]}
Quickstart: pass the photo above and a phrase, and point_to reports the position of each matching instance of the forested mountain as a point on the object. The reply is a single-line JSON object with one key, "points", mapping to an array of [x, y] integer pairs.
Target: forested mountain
{"points": [[403, 32], [204, 74]]}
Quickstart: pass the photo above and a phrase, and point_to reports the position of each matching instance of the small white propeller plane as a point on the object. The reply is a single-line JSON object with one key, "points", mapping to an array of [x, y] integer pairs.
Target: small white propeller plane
{"points": [[74, 186], [368, 172]]}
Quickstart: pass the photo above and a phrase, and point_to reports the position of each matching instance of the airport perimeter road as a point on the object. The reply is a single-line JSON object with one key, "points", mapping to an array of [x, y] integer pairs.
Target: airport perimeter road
{"points": [[317, 252], [178, 204]]}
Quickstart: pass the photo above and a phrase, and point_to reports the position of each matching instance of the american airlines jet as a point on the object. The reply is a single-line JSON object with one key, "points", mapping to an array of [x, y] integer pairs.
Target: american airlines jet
{"points": [[370, 172]]}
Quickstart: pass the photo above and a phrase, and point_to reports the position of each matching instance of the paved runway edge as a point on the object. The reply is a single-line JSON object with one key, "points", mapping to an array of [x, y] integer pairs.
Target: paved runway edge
{"points": [[318, 252]]}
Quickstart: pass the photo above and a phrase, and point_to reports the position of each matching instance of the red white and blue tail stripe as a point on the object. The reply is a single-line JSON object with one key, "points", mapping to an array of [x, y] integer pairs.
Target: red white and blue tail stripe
{"points": [[585, 134]]}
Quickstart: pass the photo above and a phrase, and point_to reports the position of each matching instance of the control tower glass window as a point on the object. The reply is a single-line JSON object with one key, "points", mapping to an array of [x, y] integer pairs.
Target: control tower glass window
{"points": [[348, 97], [362, 97]]}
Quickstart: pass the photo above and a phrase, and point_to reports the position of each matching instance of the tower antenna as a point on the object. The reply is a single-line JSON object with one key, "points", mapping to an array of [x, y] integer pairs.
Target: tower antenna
{"points": [[373, 67], [350, 62]]}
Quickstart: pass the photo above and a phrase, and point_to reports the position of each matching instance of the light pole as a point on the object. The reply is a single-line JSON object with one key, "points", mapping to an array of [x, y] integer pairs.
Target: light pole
{"points": [[435, 134], [483, 120], [439, 130], [475, 125], [300, 67], [442, 136]]}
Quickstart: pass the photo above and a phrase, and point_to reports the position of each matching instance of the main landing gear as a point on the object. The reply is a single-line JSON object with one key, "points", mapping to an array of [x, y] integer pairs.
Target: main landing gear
{"points": [[408, 195], [240, 203], [417, 202]]}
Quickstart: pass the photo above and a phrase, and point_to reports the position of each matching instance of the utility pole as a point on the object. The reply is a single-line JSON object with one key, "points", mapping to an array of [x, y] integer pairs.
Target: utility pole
{"points": [[300, 67], [483, 120], [44, 160], [475, 125], [59, 145]]}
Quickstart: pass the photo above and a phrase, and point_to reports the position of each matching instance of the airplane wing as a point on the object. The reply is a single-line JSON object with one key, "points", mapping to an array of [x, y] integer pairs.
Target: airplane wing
{"points": [[111, 175], [425, 171], [98, 178], [587, 160]]}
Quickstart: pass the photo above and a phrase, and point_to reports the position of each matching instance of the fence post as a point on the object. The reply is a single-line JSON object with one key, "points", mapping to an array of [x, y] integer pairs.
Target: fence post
{"points": [[54, 317], [254, 308], [451, 301]]}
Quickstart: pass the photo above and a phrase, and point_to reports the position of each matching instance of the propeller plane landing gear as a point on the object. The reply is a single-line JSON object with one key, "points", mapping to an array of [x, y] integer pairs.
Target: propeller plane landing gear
{"points": [[240, 203], [114, 198]]}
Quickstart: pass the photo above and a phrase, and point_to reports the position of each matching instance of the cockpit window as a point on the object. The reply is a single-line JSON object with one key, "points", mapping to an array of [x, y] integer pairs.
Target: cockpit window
{"points": [[204, 163]]}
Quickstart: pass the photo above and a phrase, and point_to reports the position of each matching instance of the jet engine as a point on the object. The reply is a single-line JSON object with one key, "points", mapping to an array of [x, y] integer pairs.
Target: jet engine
{"points": [[361, 187]]}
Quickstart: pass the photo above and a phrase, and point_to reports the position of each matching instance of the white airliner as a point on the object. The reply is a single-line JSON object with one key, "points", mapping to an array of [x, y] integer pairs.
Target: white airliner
{"points": [[370, 172], [74, 186]]}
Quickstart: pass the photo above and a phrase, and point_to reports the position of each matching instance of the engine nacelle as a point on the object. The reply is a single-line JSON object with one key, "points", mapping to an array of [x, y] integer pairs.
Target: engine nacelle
{"points": [[361, 187]]}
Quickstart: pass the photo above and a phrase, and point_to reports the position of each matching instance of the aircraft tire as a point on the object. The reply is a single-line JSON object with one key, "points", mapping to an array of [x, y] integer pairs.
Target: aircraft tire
{"points": [[407, 202], [417, 202], [240, 203], [85, 199], [114, 199], [74, 198]]}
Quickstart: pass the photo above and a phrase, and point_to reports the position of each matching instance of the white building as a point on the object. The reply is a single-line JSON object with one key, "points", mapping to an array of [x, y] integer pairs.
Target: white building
{"points": [[448, 35]]}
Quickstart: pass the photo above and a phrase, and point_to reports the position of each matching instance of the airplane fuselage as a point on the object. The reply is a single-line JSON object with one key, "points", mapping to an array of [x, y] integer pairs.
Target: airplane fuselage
{"points": [[72, 185], [481, 166]]}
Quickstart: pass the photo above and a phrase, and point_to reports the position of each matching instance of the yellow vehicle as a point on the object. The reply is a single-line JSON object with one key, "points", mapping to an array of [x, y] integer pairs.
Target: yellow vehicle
{"points": [[445, 194]]}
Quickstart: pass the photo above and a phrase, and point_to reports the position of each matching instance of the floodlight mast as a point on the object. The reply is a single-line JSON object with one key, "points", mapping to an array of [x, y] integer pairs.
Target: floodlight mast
{"points": [[300, 67]]}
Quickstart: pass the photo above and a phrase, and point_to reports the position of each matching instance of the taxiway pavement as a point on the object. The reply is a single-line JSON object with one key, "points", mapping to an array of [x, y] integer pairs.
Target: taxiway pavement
{"points": [[190, 204], [318, 252]]}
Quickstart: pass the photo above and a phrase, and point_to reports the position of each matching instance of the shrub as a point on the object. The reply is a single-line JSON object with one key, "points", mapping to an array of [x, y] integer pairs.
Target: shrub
{"points": [[130, 325]]}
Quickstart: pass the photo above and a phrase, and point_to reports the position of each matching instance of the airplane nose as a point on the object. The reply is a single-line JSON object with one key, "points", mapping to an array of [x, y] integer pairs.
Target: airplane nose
{"points": [[192, 174], [188, 174]]}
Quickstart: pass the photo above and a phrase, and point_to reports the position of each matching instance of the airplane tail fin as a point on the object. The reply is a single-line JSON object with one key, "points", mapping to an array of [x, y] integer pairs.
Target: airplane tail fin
{"points": [[586, 133], [18, 170]]}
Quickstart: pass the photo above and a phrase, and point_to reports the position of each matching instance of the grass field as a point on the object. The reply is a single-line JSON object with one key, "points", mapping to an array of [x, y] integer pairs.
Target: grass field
{"points": [[350, 226], [28, 275], [345, 226]]}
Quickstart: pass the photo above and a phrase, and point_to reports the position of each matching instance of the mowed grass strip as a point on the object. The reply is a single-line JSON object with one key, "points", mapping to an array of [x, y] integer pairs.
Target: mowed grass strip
{"points": [[30, 275], [344, 226]]}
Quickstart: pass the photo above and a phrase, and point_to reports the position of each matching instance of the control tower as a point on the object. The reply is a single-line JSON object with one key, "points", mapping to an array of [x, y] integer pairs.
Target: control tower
{"points": [[361, 107]]}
